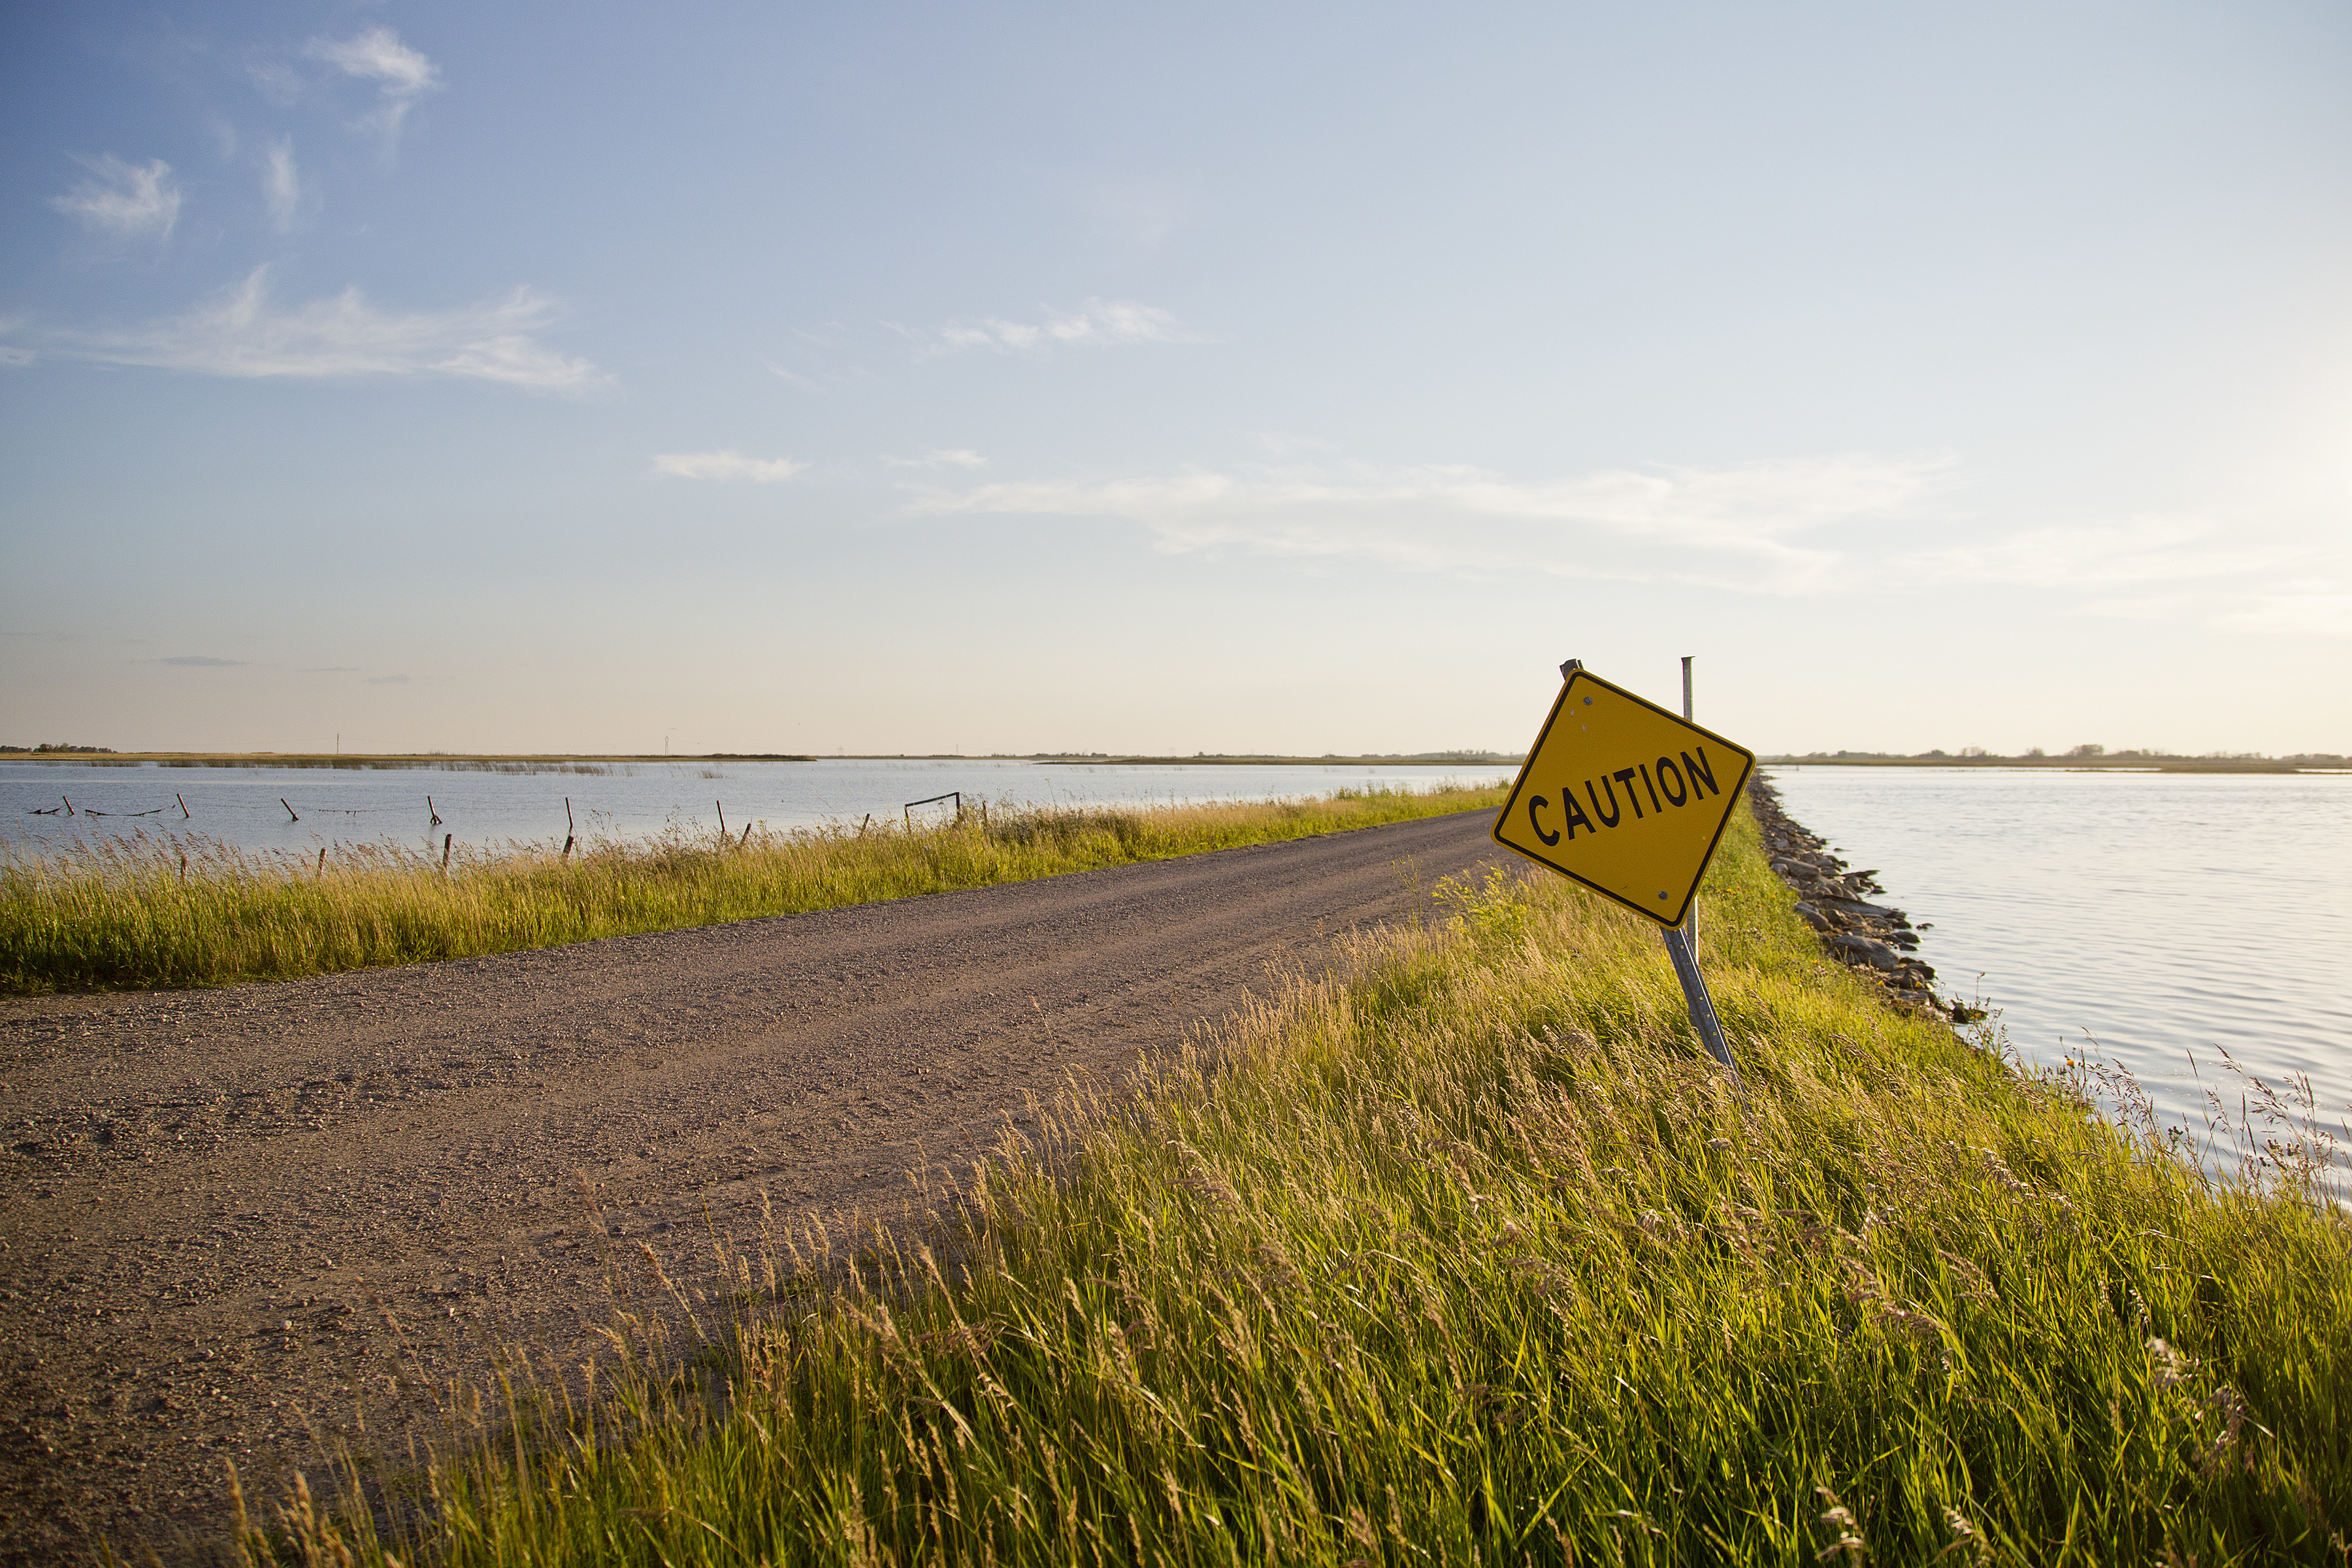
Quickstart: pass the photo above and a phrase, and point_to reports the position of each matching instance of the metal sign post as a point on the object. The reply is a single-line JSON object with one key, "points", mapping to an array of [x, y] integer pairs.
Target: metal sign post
{"points": [[1630, 799], [1682, 946], [1702, 1005]]}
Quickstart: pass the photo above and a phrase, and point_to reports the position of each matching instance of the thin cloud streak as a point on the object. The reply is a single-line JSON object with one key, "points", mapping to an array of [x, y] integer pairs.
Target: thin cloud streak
{"points": [[1744, 527], [2319, 607], [2311, 607], [2136, 550], [124, 200], [946, 458], [244, 333], [2188, 571], [726, 464], [1099, 324], [1728, 527]]}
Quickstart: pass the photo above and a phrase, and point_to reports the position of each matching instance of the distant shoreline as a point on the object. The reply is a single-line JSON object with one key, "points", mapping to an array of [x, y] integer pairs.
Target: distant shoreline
{"points": [[2130, 763]]}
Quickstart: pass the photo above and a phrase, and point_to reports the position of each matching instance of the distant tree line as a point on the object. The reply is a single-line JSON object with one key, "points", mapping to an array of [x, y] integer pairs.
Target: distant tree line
{"points": [[2086, 752]]}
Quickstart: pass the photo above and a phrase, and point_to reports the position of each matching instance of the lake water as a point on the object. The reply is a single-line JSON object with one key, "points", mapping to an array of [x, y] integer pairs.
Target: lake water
{"points": [[2150, 919], [249, 807]]}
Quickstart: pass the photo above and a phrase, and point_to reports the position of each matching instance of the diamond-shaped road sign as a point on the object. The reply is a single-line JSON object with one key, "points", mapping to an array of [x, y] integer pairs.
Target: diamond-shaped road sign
{"points": [[1624, 796]]}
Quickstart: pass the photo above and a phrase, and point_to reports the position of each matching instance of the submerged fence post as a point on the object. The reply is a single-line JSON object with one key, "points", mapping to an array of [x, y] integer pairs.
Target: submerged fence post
{"points": [[907, 811]]}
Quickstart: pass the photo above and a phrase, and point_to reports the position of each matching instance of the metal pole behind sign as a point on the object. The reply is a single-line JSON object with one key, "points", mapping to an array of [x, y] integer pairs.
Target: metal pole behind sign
{"points": [[1702, 1005], [1682, 946]]}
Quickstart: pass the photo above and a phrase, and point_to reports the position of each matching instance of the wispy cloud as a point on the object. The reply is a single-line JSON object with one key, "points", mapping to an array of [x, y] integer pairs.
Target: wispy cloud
{"points": [[2136, 550], [1099, 324], [1815, 525], [945, 457], [2188, 571], [124, 200], [725, 466], [2310, 607], [2297, 607], [402, 74], [201, 661], [245, 332], [1733, 527], [828, 360], [282, 186]]}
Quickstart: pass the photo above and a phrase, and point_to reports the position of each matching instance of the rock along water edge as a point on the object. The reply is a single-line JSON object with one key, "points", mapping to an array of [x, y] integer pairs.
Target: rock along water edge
{"points": [[1838, 903]]}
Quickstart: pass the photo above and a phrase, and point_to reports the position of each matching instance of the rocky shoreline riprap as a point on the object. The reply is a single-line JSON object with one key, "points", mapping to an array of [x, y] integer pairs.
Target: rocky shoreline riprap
{"points": [[1839, 904]]}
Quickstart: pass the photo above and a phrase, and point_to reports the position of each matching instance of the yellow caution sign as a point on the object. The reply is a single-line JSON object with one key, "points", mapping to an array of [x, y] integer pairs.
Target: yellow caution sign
{"points": [[1624, 796]]}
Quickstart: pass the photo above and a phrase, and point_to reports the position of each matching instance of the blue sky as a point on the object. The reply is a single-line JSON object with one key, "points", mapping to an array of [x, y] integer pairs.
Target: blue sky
{"points": [[921, 378]]}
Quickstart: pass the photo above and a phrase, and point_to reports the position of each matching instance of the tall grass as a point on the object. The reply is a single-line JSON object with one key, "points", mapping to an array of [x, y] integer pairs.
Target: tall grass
{"points": [[170, 912], [1468, 1255]]}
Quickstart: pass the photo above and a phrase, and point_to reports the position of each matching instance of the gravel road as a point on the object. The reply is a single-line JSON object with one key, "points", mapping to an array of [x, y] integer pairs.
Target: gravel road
{"points": [[235, 1224]]}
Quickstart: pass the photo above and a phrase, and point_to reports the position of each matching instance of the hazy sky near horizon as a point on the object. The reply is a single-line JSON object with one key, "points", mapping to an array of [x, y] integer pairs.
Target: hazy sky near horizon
{"points": [[1310, 379]]}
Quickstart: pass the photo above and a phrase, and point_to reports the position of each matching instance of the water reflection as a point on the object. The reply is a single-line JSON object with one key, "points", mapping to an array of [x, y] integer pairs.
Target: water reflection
{"points": [[303, 808], [2159, 919]]}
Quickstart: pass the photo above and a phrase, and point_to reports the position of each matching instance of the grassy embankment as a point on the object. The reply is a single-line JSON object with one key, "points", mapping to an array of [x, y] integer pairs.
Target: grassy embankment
{"points": [[169, 911], [1467, 1255]]}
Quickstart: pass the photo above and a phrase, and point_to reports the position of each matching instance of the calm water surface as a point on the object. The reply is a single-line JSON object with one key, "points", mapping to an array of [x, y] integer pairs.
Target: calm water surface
{"points": [[2163, 916], [242, 806]]}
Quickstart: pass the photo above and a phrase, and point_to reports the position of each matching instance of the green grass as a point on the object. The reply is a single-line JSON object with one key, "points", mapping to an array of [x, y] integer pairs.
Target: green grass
{"points": [[180, 912], [1467, 1255]]}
